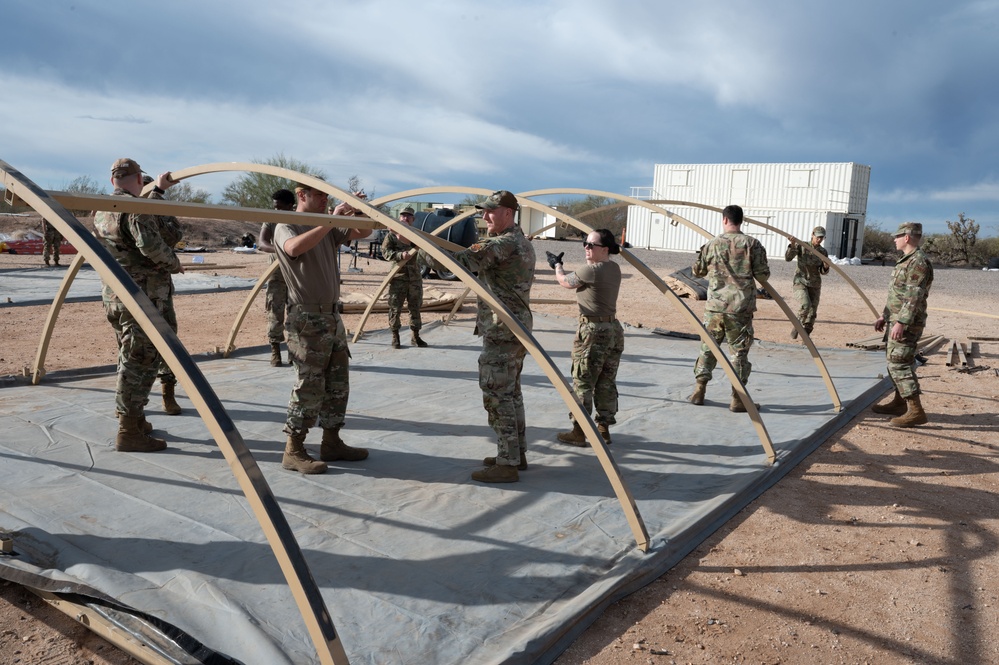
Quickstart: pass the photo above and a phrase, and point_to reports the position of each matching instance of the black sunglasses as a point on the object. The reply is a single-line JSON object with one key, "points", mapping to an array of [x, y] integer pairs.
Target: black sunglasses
{"points": [[590, 245]]}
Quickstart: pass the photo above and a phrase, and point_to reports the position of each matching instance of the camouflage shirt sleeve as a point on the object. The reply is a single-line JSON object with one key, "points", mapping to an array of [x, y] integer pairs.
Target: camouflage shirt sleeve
{"points": [[145, 231], [700, 267], [758, 256], [792, 251], [169, 225], [393, 248], [912, 287]]}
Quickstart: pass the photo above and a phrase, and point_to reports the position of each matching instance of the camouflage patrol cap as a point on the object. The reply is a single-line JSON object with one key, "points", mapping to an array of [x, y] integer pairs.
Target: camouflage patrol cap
{"points": [[500, 199], [909, 228], [408, 210], [124, 167], [819, 232]]}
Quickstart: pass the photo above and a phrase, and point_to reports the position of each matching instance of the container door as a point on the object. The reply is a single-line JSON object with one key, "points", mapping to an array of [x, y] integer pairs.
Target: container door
{"points": [[848, 239]]}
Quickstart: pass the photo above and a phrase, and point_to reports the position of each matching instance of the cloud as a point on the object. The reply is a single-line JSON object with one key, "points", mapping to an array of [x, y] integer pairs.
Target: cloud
{"points": [[985, 191]]}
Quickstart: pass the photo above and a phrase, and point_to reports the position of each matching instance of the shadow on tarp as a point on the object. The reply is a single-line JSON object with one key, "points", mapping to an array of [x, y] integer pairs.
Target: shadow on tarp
{"points": [[416, 562]]}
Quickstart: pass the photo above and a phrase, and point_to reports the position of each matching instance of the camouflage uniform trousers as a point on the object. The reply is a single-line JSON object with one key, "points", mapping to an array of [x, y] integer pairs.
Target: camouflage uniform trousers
{"points": [[737, 330], [317, 344], [808, 304], [901, 357], [276, 303], [596, 356], [138, 359], [500, 365], [50, 246], [405, 291]]}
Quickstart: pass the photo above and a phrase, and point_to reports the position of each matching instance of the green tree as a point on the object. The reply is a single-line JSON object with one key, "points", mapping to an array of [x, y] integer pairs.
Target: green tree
{"points": [[184, 192], [964, 233], [879, 245], [85, 185], [596, 212], [984, 251], [253, 190]]}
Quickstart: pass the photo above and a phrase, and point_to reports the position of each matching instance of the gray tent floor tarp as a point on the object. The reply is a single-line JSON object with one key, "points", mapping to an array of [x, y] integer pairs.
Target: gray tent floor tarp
{"points": [[38, 286], [416, 562]]}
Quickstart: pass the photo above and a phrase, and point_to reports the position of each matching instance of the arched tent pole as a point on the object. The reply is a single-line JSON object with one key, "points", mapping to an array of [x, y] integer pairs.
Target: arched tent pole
{"points": [[38, 370], [787, 235], [244, 468], [695, 323], [823, 370], [421, 241], [230, 344]]}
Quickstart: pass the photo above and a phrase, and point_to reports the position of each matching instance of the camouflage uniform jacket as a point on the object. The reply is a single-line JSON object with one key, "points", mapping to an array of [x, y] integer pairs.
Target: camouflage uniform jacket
{"points": [[731, 261], [505, 263], [810, 267], [909, 290], [392, 249], [136, 242]]}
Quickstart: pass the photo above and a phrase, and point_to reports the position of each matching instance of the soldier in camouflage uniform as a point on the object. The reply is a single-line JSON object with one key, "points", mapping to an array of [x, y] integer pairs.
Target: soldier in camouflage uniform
{"points": [[731, 261], [903, 320], [52, 240], [599, 342], [276, 301], [504, 261], [407, 284], [807, 283], [136, 242], [172, 233], [317, 339]]}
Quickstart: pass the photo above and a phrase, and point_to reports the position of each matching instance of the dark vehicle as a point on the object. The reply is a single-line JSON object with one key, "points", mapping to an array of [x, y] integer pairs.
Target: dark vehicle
{"points": [[464, 233]]}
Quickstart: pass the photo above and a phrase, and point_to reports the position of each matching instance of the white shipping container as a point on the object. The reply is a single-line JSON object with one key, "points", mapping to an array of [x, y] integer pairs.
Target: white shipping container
{"points": [[791, 197]]}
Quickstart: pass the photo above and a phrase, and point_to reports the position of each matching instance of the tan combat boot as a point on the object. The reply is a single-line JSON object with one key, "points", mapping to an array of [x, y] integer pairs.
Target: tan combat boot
{"points": [[896, 407], [297, 459], [736, 406], [170, 405], [914, 414], [334, 449], [396, 344], [794, 333], [697, 398], [575, 437], [497, 474], [145, 425], [491, 461], [417, 340], [604, 432], [276, 354], [131, 438]]}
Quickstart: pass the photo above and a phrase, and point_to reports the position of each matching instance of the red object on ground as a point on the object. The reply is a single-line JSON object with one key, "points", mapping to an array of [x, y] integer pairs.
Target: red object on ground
{"points": [[35, 247]]}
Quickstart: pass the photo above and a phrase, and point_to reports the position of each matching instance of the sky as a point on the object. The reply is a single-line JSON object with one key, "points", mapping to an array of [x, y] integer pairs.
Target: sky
{"points": [[513, 95]]}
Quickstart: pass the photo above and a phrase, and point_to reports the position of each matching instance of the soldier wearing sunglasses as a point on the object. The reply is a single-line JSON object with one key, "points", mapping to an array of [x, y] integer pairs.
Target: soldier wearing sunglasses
{"points": [[599, 342]]}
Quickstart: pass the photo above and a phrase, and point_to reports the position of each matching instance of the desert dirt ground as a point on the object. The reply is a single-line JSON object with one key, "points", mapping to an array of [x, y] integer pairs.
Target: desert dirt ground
{"points": [[880, 548]]}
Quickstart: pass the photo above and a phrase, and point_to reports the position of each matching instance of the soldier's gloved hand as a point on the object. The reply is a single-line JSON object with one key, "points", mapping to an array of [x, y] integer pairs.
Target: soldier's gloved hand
{"points": [[554, 259]]}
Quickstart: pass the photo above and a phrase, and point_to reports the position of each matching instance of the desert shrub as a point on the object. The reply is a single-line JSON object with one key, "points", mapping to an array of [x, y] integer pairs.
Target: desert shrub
{"points": [[879, 245]]}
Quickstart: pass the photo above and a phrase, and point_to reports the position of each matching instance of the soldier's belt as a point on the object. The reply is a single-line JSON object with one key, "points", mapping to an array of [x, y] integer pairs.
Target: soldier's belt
{"points": [[596, 319], [324, 308]]}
